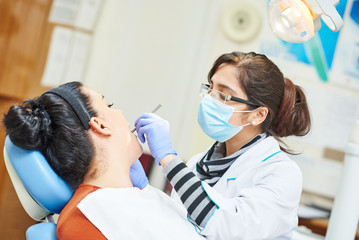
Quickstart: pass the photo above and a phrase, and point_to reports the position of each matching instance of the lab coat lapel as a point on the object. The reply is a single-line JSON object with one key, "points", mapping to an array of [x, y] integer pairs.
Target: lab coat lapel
{"points": [[249, 159]]}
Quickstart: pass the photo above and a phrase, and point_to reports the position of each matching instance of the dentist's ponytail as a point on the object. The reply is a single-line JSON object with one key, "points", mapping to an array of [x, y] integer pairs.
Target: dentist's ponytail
{"points": [[293, 118]]}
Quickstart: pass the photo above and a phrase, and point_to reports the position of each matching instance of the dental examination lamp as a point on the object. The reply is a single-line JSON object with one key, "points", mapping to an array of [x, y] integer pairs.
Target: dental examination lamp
{"points": [[298, 20]]}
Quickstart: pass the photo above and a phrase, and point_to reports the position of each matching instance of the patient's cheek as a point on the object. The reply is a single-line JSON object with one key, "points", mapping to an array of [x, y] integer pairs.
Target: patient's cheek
{"points": [[136, 146], [140, 149]]}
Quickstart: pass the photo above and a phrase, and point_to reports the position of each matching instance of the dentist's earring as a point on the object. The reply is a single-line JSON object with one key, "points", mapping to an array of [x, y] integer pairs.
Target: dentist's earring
{"points": [[254, 122]]}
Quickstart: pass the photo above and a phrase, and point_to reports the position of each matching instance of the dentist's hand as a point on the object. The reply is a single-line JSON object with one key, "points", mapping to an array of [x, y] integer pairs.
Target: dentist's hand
{"points": [[157, 132], [137, 175]]}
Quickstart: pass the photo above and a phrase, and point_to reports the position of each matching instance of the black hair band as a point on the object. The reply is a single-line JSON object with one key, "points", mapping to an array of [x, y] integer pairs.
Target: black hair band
{"points": [[76, 105]]}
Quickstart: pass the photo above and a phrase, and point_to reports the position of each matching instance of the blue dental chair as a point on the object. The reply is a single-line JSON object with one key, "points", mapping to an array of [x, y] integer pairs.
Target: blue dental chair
{"points": [[41, 191]]}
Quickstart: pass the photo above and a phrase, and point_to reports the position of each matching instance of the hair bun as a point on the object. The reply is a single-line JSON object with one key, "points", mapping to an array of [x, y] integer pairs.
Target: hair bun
{"points": [[28, 125]]}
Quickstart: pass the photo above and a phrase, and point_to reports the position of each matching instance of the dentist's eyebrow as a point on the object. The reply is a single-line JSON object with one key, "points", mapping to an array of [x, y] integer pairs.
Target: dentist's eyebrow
{"points": [[223, 86]]}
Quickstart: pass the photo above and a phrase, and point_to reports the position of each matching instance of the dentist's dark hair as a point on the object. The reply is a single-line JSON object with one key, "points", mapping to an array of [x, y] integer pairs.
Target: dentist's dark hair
{"points": [[49, 124], [265, 85]]}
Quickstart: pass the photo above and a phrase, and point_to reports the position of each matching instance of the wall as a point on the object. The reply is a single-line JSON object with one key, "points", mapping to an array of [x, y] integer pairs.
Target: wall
{"points": [[333, 98], [159, 51], [145, 53], [150, 52]]}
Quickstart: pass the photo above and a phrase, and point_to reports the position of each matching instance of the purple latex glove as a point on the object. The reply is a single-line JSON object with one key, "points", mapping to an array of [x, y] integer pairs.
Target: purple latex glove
{"points": [[137, 175], [157, 133]]}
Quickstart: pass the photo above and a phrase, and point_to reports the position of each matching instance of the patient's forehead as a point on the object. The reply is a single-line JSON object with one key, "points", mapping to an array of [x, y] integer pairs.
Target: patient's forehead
{"points": [[94, 96]]}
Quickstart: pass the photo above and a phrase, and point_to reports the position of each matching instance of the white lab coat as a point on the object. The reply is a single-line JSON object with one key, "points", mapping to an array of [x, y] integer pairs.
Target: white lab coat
{"points": [[257, 197]]}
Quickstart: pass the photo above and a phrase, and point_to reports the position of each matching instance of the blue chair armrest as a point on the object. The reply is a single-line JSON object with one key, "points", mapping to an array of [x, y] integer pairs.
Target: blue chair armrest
{"points": [[45, 230]]}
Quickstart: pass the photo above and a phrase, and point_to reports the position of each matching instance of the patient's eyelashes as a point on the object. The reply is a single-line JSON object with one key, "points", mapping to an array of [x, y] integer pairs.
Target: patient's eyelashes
{"points": [[110, 105]]}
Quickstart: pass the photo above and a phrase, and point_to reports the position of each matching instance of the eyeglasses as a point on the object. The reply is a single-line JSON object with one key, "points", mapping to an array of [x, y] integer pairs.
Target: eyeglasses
{"points": [[223, 97]]}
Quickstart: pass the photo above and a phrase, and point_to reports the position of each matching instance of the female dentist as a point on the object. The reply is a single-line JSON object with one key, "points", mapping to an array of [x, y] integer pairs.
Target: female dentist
{"points": [[245, 186]]}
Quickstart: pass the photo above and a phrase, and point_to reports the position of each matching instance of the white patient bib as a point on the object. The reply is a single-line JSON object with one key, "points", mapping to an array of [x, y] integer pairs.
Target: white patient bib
{"points": [[131, 213]]}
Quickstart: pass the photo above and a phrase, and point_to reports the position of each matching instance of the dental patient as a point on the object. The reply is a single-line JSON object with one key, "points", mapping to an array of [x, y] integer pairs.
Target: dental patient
{"points": [[90, 146]]}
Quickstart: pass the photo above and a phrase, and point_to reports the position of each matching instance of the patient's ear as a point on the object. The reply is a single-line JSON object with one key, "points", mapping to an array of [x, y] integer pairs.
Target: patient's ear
{"points": [[100, 126]]}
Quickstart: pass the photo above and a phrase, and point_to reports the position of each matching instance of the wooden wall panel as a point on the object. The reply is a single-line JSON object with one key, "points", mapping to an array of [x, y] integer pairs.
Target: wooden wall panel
{"points": [[24, 38], [4, 105], [14, 221], [22, 29]]}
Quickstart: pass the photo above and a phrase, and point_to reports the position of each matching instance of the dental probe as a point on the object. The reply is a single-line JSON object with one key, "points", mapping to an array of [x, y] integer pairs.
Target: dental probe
{"points": [[153, 111]]}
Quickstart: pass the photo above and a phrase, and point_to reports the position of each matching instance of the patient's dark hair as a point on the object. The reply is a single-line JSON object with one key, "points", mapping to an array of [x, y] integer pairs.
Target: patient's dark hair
{"points": [[49, 124]]}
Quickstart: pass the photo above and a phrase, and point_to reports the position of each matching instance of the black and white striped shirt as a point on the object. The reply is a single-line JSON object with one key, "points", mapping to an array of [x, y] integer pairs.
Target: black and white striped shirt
{"points": [[210, 169]]}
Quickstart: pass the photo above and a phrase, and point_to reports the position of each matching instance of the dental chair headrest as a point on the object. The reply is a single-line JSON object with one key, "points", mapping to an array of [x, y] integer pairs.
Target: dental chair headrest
{"points": [[40, 190]]}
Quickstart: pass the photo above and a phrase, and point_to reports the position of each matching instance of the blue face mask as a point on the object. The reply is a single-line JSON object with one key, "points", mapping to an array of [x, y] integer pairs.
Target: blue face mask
{"points": [[213, 118]]}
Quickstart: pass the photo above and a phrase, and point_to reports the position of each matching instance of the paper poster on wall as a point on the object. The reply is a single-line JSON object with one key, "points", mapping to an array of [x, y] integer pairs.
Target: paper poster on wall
{"points": [[87, 14], [77, 59], [317, 52], [338, 119], [345, 71], [57, 56], [78, 13], [333, 114], [67, 56], [64, 12]]}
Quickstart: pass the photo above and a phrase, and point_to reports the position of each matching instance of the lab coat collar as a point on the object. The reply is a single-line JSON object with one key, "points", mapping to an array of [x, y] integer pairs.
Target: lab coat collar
{"points": [[252, 157]]}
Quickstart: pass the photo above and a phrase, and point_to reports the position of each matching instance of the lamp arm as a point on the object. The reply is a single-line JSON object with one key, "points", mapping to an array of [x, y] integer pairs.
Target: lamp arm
{"points": [[328, 12]]}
